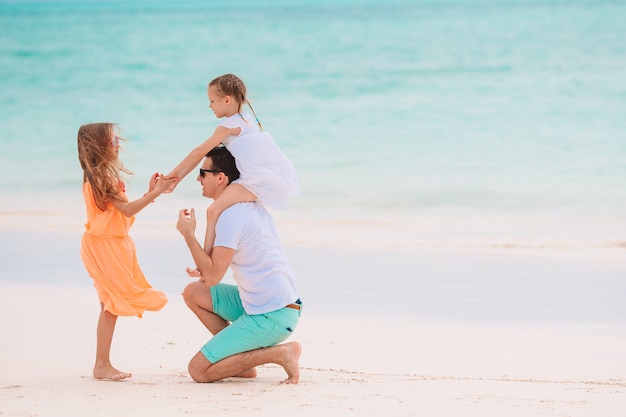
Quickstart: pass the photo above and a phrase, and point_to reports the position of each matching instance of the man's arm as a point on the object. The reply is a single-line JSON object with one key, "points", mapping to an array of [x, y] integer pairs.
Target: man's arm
{"points": [[211, 267]]}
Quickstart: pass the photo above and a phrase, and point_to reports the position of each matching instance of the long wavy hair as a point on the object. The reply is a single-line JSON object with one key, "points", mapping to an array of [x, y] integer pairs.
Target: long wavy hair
{"points": [[100, 165]]}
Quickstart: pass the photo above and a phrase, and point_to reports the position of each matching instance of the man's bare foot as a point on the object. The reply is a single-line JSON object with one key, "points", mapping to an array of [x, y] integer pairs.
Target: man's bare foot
{"points": [[250, 373], [109, 373], [291, 362]]}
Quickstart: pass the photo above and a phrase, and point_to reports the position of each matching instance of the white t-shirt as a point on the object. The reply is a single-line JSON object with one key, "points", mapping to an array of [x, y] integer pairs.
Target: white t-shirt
{"points": [[245, 121], [265, 170], [260, 267]]}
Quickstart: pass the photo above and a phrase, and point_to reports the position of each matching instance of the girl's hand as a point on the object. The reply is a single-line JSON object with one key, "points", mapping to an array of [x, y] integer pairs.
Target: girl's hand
{"points": [[153, 181], [161, 183], [172, 175]]}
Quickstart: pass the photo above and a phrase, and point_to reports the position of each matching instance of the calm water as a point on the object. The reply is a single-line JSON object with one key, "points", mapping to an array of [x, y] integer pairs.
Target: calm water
{"points": [[447, 108]]}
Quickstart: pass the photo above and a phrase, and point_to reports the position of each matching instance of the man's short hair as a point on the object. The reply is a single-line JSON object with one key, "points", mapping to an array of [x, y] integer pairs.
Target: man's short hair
{"points": [[223, 160]]}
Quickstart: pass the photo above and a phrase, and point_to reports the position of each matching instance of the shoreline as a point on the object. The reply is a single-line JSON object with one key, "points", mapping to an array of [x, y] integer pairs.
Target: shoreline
{"points": [[593, 238], [471, 284]]}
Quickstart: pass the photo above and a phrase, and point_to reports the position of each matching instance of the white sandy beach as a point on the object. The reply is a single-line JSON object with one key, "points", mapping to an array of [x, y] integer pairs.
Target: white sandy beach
{"points": [[413, 331], [460, 238]]}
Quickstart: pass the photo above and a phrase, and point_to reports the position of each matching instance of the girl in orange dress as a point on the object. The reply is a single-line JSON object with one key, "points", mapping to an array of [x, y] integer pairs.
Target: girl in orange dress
{"points": [[107, 250]]}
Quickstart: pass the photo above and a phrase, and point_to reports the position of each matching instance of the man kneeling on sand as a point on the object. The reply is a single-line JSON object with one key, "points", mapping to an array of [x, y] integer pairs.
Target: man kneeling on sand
{"points": [[248, 320]]}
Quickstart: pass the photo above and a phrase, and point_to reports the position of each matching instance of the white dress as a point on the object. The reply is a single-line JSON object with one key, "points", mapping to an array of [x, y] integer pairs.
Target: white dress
{"points": [[264, 169]]}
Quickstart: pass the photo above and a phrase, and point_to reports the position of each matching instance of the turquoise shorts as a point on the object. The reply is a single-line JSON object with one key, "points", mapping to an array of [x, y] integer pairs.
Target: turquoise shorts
{"points": [[246, 332]]}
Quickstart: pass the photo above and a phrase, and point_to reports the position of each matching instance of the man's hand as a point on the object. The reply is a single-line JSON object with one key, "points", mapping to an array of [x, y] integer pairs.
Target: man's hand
{"points": [[194, 273], [186, 223]]}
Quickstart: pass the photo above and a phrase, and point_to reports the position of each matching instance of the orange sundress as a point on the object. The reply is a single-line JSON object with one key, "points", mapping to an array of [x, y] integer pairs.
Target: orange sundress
{"points": [[110, 258]]}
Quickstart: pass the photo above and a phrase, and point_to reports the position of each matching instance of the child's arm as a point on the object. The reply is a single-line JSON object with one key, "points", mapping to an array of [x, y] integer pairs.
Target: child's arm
{"points": [[195, 156], [158, 185]]}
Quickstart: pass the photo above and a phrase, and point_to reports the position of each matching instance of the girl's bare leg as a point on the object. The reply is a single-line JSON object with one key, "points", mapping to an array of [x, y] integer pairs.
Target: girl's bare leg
{"points": [[233, 194], [104, 335]]}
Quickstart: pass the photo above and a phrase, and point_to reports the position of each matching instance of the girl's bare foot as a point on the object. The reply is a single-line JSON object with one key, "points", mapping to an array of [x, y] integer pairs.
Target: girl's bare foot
{"points": [[291, 362], [109, 373]]}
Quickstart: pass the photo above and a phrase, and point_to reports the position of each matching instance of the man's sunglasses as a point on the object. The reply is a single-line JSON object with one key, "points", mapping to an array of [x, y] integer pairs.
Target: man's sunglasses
{"points": [[204, 171]]}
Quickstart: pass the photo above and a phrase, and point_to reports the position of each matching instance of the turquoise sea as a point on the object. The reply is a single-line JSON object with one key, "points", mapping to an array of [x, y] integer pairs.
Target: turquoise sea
{"points": [[455, 109]]}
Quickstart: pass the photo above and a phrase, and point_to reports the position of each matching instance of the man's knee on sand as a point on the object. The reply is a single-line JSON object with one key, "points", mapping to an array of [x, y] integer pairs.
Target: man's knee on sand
{"points": [[198, 366], [192, 291]]}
